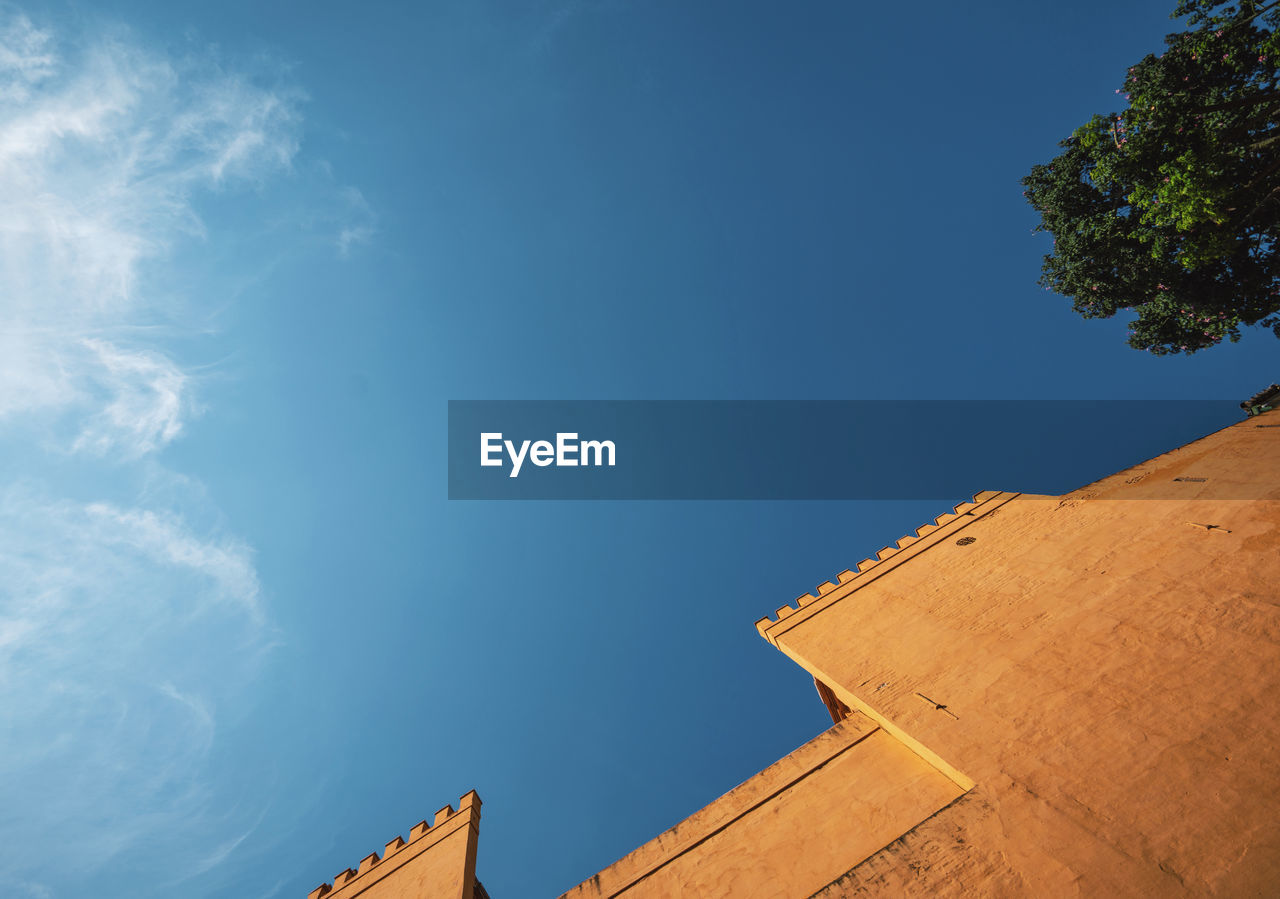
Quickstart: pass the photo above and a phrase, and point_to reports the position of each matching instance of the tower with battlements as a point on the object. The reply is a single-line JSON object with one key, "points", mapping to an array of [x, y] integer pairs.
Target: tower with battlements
{"points": [[438, 860]]}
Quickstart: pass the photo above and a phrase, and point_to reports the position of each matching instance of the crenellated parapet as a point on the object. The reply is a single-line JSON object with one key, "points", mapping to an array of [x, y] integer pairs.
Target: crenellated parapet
{"points": [[422, 837], [868, 570]]}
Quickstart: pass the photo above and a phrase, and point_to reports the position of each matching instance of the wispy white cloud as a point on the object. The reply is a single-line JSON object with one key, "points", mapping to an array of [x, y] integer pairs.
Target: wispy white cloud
{"points": [[24, 57], [126, 630], [121, 631], [148, 398], [101, 152], [226, 564]]}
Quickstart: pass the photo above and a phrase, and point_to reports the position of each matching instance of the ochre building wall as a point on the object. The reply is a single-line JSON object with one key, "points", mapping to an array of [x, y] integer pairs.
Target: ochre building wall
{"points": [[1103, 666], [437, 861], [841, 797]]}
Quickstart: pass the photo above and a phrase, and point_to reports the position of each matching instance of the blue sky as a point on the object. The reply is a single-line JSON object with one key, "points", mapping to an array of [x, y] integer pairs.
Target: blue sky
{"points": [[248, 253]]}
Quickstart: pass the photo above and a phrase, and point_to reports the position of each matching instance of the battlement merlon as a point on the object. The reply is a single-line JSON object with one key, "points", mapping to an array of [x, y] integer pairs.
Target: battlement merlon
{"points": [[423, 837], [868, 570]]}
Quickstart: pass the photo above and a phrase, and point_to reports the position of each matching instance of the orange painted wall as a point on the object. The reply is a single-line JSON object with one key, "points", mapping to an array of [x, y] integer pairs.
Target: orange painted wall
{"points": [[438, 861], [1104, 666], [793, 828]]}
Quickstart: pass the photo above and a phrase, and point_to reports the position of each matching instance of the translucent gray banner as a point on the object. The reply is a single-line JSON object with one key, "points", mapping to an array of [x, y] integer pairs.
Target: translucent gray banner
{"points": [[807, 450]]}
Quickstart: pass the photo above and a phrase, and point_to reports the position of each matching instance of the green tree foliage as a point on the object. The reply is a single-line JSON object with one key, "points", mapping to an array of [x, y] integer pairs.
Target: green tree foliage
{"points": [[1171, 208]]}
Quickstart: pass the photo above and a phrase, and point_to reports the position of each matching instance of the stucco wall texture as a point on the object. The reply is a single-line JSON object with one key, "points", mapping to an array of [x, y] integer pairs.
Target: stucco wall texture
{"points": [[1057, 696], [1103, 666], [437, 861], [842, 796]]}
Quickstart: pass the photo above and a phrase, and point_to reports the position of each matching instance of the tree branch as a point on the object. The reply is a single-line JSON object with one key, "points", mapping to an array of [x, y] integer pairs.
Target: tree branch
{"points": [[1208, 19], [1264, 143]]}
